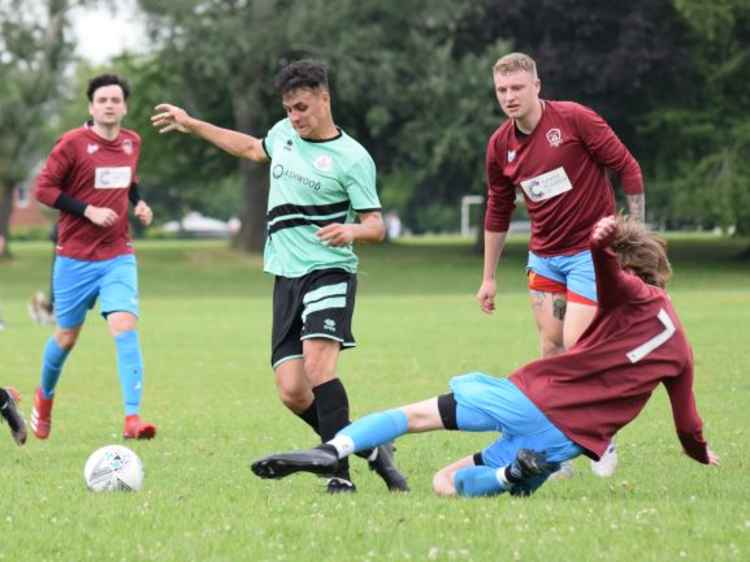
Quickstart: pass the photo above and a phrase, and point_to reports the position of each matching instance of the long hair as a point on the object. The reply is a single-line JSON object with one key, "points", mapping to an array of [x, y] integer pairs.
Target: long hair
{"points": [[641, 251]]}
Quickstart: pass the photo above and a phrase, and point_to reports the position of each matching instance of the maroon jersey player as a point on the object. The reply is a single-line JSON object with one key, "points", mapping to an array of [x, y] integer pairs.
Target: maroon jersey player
{"points": [[557, 408], [556, 154], [90, 177]]}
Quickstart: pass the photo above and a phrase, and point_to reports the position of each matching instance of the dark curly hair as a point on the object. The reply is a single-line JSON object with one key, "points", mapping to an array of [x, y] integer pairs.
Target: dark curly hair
{"points": [[304, 73], [107, 80]]}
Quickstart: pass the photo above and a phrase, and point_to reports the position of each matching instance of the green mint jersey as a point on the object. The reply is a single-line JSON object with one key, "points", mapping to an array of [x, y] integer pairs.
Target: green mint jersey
{"points": [[313, 184]]}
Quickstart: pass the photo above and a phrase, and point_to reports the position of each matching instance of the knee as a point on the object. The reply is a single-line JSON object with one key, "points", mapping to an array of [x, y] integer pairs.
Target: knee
{"points": [[442, 483], [551, 347], [294, 397], [66, 339], [120, 323]]}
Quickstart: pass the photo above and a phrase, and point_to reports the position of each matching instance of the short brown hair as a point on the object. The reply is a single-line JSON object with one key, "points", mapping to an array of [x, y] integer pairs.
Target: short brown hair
{"points": [[641, 251], [513, 62]]}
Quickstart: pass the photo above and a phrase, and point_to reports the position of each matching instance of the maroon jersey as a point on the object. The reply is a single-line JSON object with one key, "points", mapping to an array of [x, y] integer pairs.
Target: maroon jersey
{"points": [[561, 170], [634, 343], [96, 171]]}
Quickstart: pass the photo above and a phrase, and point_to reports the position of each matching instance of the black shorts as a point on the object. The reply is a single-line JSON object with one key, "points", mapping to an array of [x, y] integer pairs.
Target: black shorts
{"points": [[317, 305]]}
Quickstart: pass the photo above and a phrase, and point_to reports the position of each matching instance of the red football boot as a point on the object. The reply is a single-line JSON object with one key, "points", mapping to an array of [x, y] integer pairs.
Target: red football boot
{"points": [[41, 415], [137, 429]]}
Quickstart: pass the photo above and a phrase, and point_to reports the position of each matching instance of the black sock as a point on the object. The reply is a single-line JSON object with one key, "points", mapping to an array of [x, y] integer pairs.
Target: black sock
{"points": [[310, 417], [3, 397], [333, 414]]}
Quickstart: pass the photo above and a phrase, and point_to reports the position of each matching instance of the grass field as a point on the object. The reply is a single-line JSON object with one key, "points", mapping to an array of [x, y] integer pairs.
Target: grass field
{"points": [[206, 315]]}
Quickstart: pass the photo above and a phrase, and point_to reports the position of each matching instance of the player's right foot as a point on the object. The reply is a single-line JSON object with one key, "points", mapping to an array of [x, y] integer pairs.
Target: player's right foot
{"points": [[41, 415], [135, 428], [384, 466], [8, 411], [321, 460]]}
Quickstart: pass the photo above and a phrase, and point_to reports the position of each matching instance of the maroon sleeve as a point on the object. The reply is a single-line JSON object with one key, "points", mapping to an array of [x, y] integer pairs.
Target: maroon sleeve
{"points": [[501, 195], [607, 149], [613, 285], [50, 180], [687, 422]]}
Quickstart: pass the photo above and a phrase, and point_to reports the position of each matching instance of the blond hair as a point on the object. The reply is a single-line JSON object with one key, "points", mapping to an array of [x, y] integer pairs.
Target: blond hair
{"points": [[514, 62], [641, 251]]}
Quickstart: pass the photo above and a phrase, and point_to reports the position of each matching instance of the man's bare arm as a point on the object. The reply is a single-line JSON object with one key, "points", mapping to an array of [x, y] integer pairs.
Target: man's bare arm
{"points": [[173, 118], [637, 206]]}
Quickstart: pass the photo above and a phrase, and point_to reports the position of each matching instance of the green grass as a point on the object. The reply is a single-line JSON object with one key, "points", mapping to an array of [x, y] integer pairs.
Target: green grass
{"points": [[205, 333]]}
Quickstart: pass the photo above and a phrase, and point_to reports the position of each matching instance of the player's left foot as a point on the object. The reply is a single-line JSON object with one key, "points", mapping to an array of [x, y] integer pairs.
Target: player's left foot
{"points": [[384, 466], [321, 460], [135, 428], [8, 411], [607, 464]]}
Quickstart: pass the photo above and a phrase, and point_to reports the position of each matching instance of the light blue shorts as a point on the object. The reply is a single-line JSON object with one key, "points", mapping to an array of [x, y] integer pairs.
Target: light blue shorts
{"points": [[487, 403], [575, 272], [78, 283]]}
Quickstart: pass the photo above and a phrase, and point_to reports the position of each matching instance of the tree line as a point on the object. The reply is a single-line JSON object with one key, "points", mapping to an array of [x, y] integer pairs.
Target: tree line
{"points": [[412, 81]]}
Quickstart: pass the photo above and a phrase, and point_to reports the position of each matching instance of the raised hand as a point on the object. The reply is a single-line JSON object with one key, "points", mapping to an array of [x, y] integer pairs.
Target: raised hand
{"points": [[170, 118]]}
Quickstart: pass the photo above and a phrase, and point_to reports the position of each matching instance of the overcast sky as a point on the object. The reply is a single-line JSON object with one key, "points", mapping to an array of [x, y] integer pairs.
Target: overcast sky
{"points": [[102, 34]]}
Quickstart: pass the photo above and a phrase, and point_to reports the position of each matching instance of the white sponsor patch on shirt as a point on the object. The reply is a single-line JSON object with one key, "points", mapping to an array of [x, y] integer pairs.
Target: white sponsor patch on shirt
{"points": [[113, 178], [547, 185]]}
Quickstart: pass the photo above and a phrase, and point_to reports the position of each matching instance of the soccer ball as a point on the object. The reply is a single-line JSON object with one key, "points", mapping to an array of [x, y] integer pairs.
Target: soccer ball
{"points": [[113, 468]]}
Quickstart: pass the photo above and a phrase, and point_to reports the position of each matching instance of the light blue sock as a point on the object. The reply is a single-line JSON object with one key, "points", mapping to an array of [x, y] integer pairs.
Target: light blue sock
{"points": [[376, 429], [474, 481], [130, 368], [52, 363]]}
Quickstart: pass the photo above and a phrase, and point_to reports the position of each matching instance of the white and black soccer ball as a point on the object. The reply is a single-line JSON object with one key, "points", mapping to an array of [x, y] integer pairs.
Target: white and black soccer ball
{"points": [[113, 468]]}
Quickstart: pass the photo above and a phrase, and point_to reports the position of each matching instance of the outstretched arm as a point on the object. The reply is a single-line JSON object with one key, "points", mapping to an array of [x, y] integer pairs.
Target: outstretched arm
{"points": [[172, 118], [687, 422]]}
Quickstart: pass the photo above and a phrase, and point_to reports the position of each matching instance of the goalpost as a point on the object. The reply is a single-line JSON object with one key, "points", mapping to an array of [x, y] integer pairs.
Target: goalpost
{"points": [[467, 201]]}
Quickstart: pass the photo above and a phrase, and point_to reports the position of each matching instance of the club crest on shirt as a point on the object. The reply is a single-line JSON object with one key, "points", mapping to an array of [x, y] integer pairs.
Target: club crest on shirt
{"points": [[127, 146], [554, 137], [511, 155], [92, 148], [324, 163]]}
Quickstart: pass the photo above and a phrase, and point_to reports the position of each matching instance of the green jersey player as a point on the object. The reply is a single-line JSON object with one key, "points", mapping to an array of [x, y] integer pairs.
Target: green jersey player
{"points": [[320, 179]]}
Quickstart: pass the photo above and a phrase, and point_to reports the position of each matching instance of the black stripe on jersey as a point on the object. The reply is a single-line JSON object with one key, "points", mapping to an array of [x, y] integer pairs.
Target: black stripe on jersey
{"points": [[373, 210], [265, 148], [311, 210], [290, 223]]}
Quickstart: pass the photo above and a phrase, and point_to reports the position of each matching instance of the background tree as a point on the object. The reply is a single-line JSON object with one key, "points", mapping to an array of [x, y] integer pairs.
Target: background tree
{"points": [[33, 55], [701, 140]]}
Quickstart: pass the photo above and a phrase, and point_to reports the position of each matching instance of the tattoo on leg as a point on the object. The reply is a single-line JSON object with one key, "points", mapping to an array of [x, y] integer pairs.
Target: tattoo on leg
{"points": [[558, 308], [537, 298]]}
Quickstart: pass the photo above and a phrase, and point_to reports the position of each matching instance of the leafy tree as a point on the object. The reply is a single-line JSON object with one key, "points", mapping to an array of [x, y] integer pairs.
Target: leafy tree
{"points": [[703, 139], [33, 55]]}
